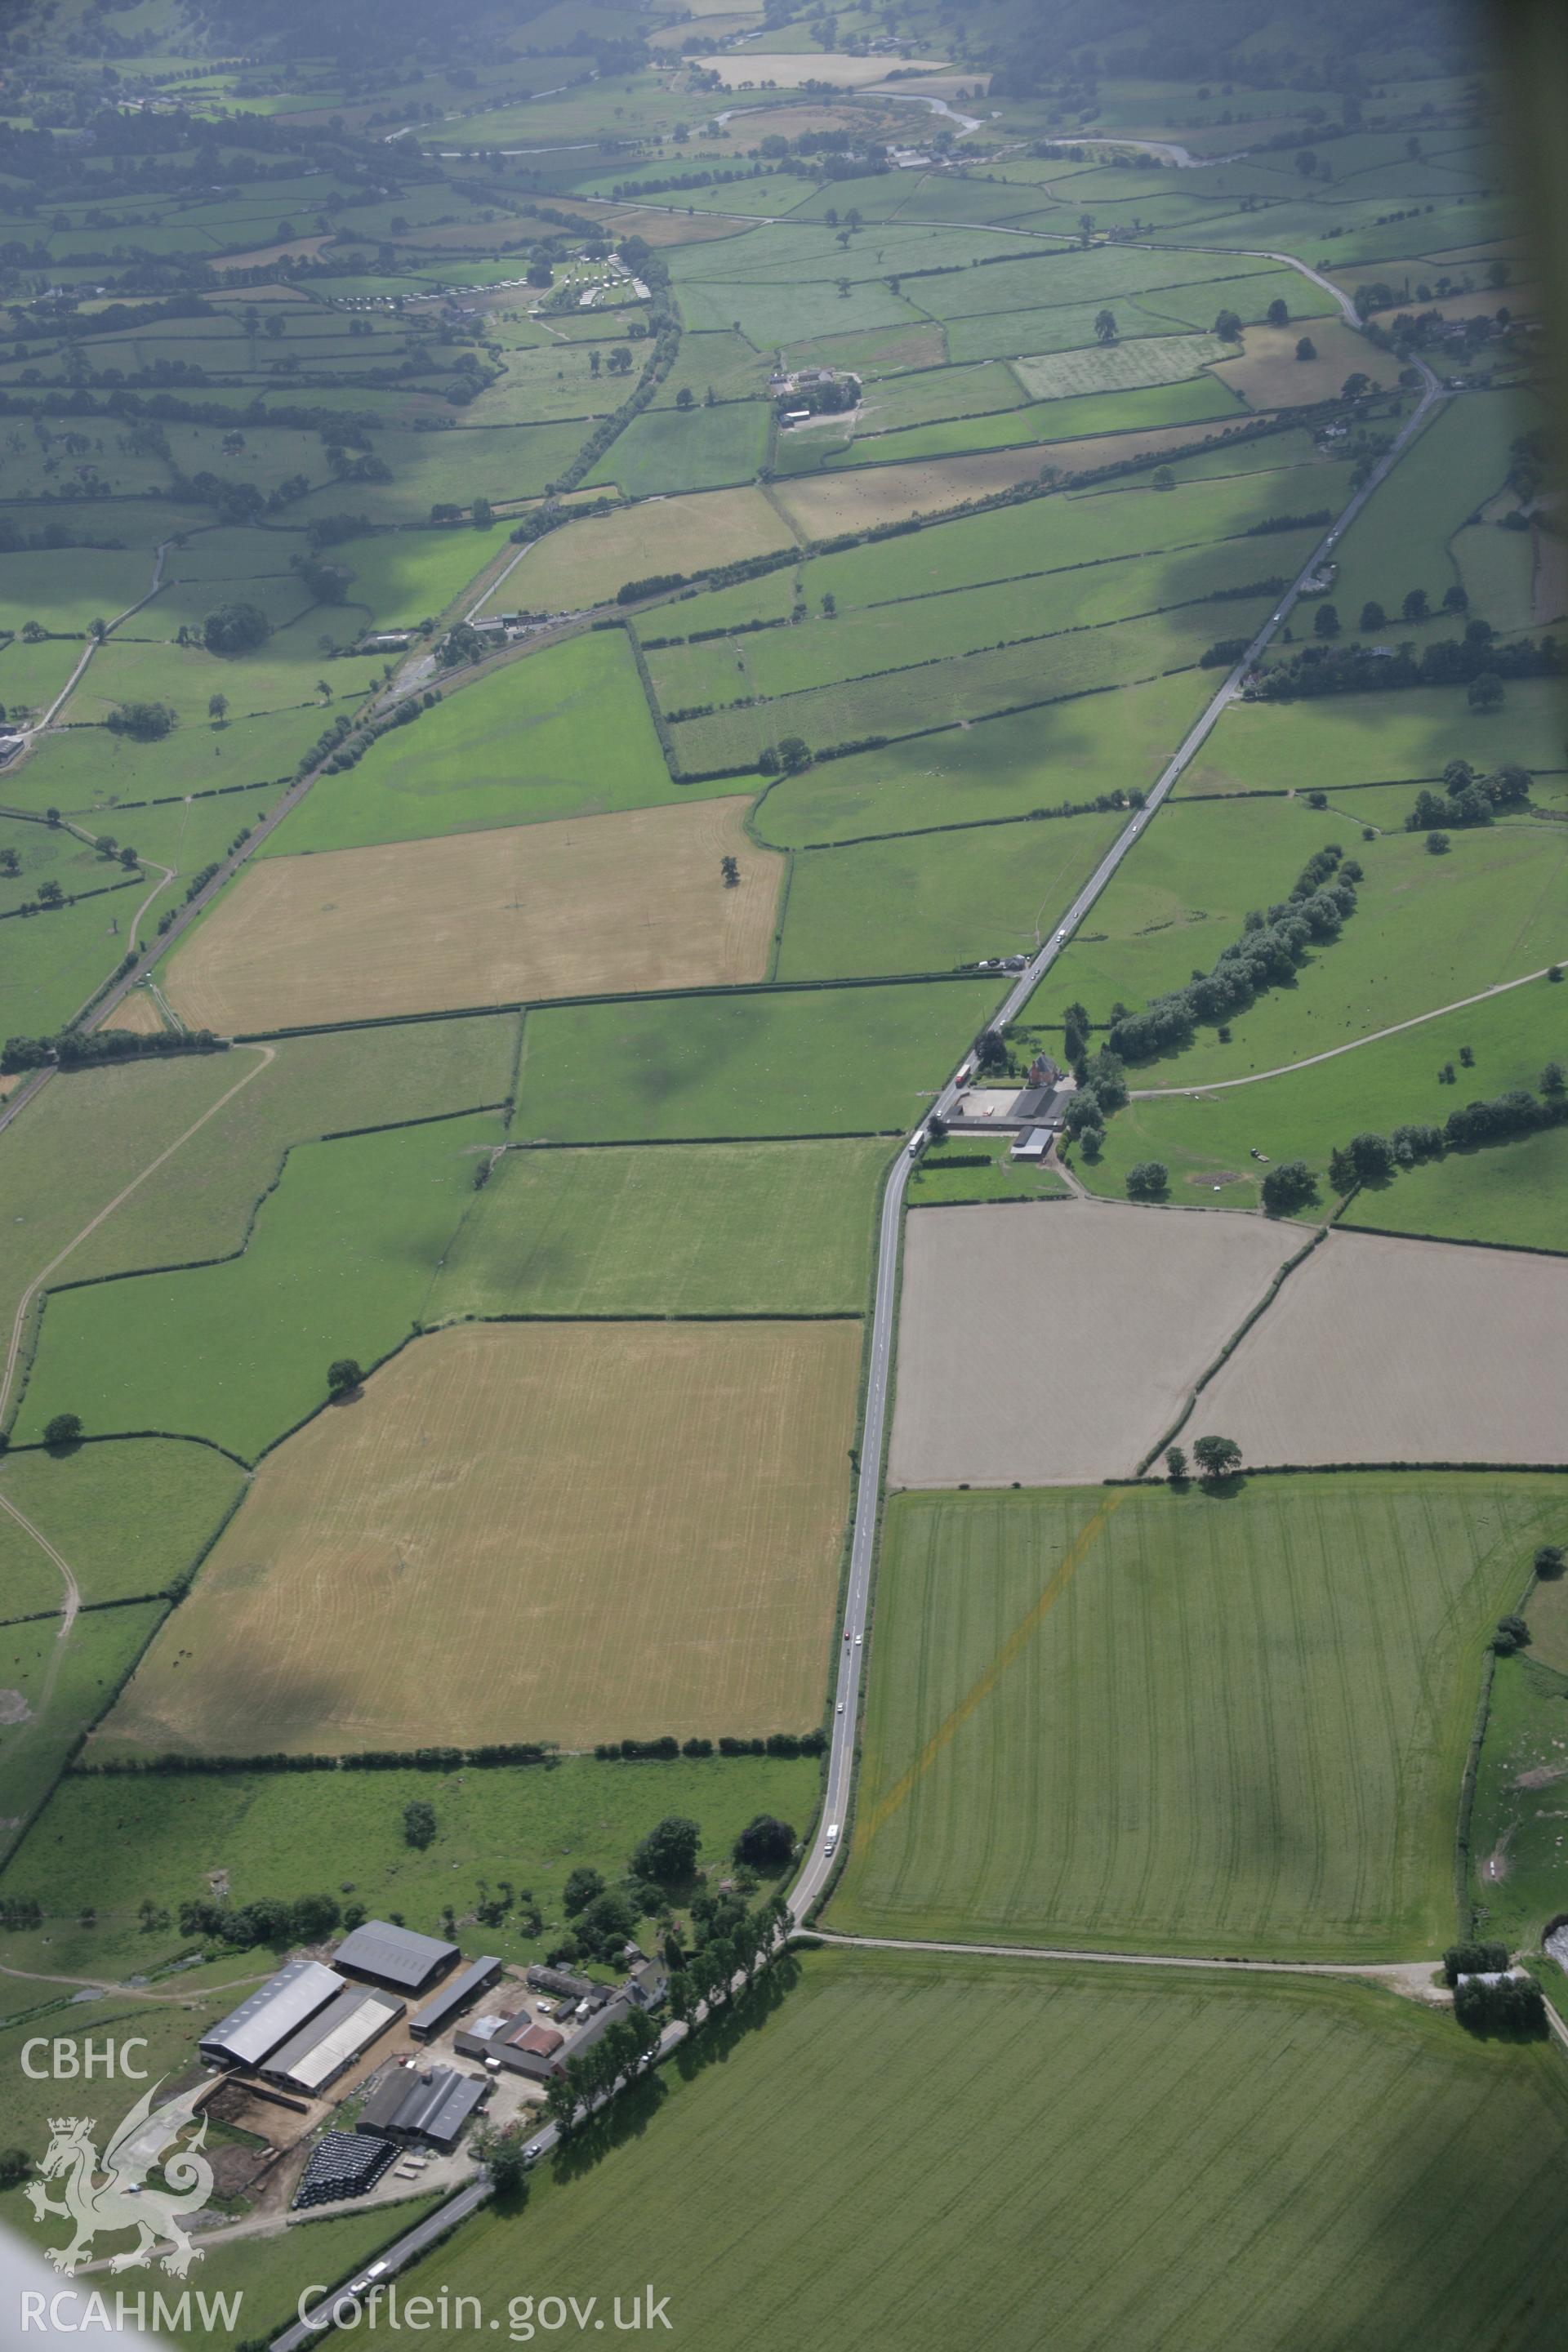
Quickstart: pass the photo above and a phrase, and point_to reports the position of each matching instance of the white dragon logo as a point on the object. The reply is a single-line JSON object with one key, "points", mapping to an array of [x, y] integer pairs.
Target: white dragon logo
{"points": [[123, 2199]]}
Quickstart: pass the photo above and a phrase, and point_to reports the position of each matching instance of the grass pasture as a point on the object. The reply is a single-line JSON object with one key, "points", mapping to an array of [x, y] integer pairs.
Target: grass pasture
{"points": [[701, 1229], [1354, 738], [131, 1519], [694, 1596], [63, 1687], [1516, 1842], [200, 1202], [596, 905], [89, 771], [1268, 2163], [338, 1263], [1206, 1136], [937, 899], [942, 1180], [106, 1843], [997, 768], [565, 732], [669, 450], [812, 1062], [1426, 931], [1264, 1760]]}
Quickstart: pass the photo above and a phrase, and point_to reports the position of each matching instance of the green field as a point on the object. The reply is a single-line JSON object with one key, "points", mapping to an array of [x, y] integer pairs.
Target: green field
{"points": [[941, 1180], [337, 1264], [1514, 1193], [52, 962], [1057, 606], [111, 1842], [1518, 1876], [1402, 540], [131, 1519], [66, 1686], [666, 450], [754, 1228], [565, 732], [87, 768], [957, 690], [936, 901], [1269, 2165], [1355, 739], [997, 768], [1426, 931], [1152, 1721], [1497, 1193], [845, 1061]]}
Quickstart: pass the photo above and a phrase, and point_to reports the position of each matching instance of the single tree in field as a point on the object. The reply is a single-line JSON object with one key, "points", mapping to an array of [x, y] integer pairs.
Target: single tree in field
{"points": [[1326, 621], [1372, 615], [1306, 349], [419, 1823], [1485, 692], [1105, 327], [343, 1377], [685, 397], [669, 1853], [1175, 1465], [218, 708], [1279, 313], [1549, 1561], [1217, 1458], [1554, 1082], [1414, 607], [1227, 326], [63, 1430]]}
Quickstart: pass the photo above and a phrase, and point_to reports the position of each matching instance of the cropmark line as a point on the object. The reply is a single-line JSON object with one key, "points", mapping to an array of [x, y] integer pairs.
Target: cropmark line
{"points": [[978, 1692]]}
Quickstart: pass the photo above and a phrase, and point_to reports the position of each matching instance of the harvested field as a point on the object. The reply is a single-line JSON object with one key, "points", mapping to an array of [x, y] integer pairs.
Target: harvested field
{"points": [[1118, 367], [1271, 376], [855, 500], [592, 905], [137, 1013], [563, 1531], [1130, 1306], [1391, 1351]]}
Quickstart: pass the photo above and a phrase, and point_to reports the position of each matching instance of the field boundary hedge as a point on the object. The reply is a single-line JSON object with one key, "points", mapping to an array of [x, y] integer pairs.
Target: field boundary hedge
{"points": [[1459, 1241], [1230, 1346], [623, 996]]}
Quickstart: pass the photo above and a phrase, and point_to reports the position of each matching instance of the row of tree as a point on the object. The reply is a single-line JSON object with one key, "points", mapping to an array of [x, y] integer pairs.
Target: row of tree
{"points": [[1270, 950], [1371, 1159]]}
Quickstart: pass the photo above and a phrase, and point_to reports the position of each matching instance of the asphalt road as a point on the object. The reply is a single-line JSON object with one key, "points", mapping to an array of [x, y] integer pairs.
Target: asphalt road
{"points": [[819, 1863]]}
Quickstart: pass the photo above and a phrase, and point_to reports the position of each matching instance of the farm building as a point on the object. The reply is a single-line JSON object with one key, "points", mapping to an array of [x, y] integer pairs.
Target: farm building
{"points": [[562, 1985], [1033, 1144], [453, 1998], [394, 1956], [522, 2044], [314, 2057], [647, 1985], [432, 2103], [274, 2013]]}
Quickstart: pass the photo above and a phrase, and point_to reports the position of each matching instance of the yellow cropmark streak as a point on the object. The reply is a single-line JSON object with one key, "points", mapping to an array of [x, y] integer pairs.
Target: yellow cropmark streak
{"points": [[980, 1691]]}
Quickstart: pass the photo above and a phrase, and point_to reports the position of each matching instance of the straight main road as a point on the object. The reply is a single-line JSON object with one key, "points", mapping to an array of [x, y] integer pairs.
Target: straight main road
{"points": [[830, 1838]]}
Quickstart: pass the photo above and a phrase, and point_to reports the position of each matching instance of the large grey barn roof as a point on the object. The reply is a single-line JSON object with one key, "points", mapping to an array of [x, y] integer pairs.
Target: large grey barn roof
{"points": [[454, 1997], [334, 2038], [395, 1956], [274, 2011]]}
